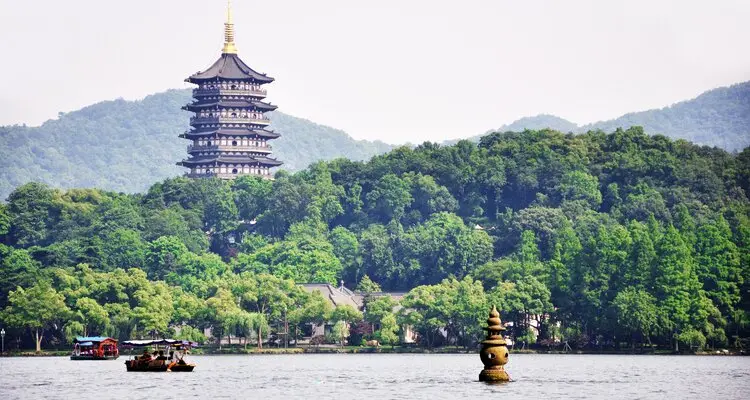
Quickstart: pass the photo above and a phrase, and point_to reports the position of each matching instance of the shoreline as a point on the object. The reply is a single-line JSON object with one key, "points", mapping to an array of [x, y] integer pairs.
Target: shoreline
{"points": [[385, 350]]}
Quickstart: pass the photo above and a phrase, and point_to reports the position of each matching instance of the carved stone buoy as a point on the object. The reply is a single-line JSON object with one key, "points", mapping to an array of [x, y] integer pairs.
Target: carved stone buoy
{"points": [[494, 353]]}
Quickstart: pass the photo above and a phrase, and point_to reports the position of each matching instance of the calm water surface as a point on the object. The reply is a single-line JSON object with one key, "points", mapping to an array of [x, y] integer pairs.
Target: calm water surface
{"points": [[384, 376]]}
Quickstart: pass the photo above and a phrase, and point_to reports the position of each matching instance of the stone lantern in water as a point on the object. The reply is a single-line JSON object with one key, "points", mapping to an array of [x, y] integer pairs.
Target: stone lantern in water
{"points": [[494, 353]]}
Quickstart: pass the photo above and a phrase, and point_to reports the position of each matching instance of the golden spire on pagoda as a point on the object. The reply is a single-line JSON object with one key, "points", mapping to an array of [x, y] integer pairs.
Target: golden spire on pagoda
{"points": [[229, 47]]}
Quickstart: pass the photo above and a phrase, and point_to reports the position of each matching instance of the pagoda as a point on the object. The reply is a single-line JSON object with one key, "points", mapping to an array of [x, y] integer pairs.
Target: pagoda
{"points": [[228, 131]]}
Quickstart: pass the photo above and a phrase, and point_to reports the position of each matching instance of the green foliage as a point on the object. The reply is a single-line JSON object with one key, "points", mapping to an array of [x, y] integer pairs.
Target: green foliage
{"points": [[190, 333], [389, 198], [163, 256], [637, 313], [4, 220], [579, 185], [347, 314], [36, 309], [388, 332], [346, 248], [366, 285], [92, 316], [301, 261], [18, 269], [340, 331], [124, 248], [456, 307]]}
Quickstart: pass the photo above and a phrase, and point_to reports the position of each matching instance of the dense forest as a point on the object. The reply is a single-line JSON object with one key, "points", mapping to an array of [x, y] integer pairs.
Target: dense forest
{"points": [[129, 145], [598, 240]]}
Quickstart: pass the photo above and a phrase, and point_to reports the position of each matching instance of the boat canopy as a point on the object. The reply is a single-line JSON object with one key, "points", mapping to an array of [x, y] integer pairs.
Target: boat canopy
{"points": [[90, 340], [159, 342]]}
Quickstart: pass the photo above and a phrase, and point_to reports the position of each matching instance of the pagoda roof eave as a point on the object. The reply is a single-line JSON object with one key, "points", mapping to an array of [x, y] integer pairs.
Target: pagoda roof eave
{"points": [[229, 67]]}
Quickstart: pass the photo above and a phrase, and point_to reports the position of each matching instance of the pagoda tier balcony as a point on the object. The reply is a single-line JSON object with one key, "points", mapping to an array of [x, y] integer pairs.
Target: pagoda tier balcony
{"points": [[226, 175], [229, 92], [191, 148], [213, 147], [229, 120]]}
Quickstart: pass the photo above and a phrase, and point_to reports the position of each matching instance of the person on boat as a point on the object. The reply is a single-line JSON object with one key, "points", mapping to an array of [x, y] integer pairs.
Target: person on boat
{"points": [[145, 358]]}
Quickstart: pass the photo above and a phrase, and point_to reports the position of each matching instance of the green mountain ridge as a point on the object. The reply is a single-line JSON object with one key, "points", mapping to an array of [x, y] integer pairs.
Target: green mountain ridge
{"points": [[718, 117], [129, 145]]}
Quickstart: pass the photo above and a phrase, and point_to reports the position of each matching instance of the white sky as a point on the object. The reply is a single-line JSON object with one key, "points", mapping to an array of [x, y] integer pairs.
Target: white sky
{"points": [[408, 70]]}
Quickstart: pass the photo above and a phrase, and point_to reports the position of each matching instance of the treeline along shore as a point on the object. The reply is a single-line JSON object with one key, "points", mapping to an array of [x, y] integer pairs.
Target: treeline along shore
{"points": [[590, 242]]}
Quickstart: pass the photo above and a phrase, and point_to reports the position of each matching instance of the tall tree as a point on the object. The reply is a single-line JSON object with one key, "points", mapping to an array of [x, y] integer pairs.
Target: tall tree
{"points": [[37, 308]]}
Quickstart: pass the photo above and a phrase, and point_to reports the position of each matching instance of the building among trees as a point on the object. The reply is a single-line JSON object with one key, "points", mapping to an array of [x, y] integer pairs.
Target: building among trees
{"points": [[229, 136]]}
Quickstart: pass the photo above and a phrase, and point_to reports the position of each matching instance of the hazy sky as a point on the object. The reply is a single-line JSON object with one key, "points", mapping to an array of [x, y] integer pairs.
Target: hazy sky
{"points": [[408, 70]]}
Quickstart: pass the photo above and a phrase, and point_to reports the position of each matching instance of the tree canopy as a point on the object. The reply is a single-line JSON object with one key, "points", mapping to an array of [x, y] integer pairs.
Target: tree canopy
{"points": [[594, 239]]}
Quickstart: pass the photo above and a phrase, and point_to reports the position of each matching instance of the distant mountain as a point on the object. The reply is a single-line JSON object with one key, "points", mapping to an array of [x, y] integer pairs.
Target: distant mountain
{"points": [[540, 121], [718, 117], [128, 145]]}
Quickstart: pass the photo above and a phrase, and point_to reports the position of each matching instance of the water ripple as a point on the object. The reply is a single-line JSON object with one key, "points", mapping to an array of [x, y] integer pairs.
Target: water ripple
{"points": [[383, 377]]}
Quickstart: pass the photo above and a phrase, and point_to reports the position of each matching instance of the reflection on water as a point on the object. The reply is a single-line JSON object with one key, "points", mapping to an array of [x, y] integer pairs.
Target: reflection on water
{"points": [[385, 376]]}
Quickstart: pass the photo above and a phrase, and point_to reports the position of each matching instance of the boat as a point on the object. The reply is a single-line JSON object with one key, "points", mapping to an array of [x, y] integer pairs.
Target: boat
{"points": [[94, 348], [170, 358]]}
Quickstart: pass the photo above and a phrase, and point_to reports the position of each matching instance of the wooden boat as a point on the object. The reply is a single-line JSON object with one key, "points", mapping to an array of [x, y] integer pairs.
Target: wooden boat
{"points": [[158, 362], [94, 348]]}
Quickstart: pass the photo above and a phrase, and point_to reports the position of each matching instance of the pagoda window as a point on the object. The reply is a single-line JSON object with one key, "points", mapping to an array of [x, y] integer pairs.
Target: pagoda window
{"points": [[234, 115], [234, 143], [234, 171], [209, 142], [234, 87]]}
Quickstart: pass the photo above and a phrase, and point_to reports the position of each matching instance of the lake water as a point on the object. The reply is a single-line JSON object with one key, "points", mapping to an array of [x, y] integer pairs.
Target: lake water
{"points": [[384, 376]]}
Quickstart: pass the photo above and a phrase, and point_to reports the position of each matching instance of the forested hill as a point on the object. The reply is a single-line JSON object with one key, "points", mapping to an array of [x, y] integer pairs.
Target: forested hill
{"points": [[128, 145], [602, 238], [718, 117]]}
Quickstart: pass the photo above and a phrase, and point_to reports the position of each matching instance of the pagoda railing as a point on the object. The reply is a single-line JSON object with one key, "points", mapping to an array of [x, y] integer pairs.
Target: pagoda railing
{"points": [[228, 147], [229, 120], [226, 175], [229, 92], [191, 147]]}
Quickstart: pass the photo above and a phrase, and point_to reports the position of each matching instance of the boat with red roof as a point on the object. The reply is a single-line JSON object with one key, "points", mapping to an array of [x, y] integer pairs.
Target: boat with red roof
{"points": [[94, 348]]}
